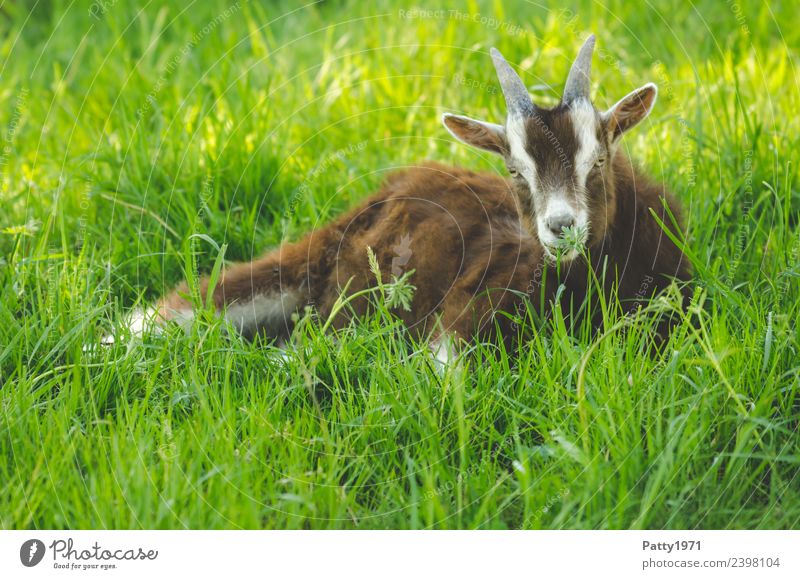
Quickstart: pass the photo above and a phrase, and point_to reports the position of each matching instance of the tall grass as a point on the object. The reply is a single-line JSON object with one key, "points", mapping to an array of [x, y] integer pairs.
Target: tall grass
{"points": [[139, 142]]}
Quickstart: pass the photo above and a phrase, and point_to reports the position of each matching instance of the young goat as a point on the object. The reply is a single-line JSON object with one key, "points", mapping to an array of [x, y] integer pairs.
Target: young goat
{"points": [[479, 243]]}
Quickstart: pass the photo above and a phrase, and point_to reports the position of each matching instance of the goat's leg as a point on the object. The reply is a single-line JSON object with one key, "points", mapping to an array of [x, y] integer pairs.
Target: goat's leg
{"points": [[469, 317], [253, 297], [256, 298]]}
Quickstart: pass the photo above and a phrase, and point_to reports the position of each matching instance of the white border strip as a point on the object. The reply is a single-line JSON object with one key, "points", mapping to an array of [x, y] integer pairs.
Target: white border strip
{"points": [[378, 554]]}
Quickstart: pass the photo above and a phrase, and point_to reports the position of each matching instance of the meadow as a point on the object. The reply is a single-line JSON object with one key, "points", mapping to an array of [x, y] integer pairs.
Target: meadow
{"points": [[143, 143]]}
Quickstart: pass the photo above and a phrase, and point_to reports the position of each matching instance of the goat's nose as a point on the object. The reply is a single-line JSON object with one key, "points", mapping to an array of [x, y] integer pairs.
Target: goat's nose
{"points": [[555, 223]]}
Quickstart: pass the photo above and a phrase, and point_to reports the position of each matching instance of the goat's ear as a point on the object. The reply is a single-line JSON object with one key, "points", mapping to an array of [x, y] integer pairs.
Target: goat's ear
{"points": [[486, 136], [630, 110]]}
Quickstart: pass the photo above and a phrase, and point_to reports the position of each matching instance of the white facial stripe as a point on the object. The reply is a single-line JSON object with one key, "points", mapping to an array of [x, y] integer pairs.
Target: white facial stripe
{"points": [[557, 202], [515, 131], [585, 123]]}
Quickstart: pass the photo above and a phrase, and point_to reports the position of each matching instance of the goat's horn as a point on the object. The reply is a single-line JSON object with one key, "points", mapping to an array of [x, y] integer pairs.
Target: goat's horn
{"points": [[578, 82], [518, 101]]}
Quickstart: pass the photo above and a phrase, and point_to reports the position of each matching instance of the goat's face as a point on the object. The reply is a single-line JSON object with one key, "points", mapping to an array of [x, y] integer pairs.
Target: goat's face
{"points": [[560, 159]]}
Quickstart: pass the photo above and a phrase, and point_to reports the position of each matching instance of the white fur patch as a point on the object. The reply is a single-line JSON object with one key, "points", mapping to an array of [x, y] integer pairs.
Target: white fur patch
{"points": [[183, 317], [443, 351], [584, 121], [137, 323], [515, 132], [557, 205], [270, 311]]}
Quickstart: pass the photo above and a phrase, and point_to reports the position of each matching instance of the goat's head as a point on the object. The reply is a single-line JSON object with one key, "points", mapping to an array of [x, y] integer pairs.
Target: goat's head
{"points": [[560, 159]]}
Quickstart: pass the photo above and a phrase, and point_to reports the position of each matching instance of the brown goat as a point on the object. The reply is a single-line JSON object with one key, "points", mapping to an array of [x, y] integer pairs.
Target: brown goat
{"points": [[479, 244]]}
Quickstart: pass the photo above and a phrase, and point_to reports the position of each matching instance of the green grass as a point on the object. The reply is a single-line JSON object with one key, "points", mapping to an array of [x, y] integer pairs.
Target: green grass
{"points": [[128, 134]]}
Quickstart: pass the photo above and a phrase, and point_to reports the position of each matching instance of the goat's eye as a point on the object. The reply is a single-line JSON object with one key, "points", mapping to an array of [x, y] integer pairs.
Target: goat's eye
{"points": [[513, 172], [601, 160]]}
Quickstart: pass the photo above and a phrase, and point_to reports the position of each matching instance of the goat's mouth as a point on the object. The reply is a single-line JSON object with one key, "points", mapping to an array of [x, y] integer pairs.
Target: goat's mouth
{"points": [[561, 254], [567, 247]]}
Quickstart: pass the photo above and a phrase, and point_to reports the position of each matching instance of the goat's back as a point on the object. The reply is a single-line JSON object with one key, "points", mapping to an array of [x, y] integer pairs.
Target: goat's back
{"points": [[460, 231]]}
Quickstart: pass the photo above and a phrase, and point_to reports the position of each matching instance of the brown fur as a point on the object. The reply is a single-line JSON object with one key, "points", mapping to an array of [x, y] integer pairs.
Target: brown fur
{"points": [[472, 247], [641, 259]]}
